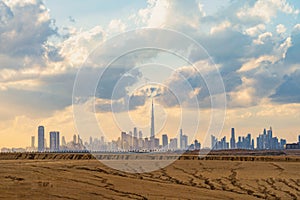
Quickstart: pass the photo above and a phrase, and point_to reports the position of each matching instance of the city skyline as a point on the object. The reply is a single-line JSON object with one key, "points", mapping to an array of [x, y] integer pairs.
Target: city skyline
{"points": [[129, 141], [133, 140]]}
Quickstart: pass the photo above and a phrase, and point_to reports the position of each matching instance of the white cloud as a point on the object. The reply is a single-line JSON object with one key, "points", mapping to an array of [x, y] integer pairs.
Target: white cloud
{"points": [[171, 14], [262, 38], [297, 27], [77, 47], [284, 46], [255, 30], [116, 26], [220, 27], [280, 28], [255, 62], [244, 95], [266, 10]]}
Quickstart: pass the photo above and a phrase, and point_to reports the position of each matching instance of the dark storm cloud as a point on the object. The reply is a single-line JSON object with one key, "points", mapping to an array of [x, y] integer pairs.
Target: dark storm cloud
{"points": [[114, 81], [289, 90]]}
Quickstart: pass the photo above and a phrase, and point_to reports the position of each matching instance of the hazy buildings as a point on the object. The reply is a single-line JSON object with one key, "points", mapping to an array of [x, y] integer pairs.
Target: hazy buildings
{"points": [[294, 145], [32, 142], [267, 141], [41, 138], [263, 141], [173, 144], [63, 141], [54, 141], [245, 142]]}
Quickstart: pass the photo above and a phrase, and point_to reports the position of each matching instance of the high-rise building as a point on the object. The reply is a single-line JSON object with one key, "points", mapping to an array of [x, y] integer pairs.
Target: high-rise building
{"points": [[54, 141], [74, 138], [135, 132], [232, 139], [165, 141], [267, 141], [140, 134], [183, 140], [41, 138], [173, 144], [197, 145], [252, 144], [91, 140], [152, 130], [32, 141], [63, 141], [213, 142], [135, 139]]}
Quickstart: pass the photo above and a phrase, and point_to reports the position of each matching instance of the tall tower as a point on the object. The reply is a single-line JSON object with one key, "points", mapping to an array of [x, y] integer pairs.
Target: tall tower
{"points": [[54, 141], [41, 138], [32, 141], [232, 139], [152, 134]]}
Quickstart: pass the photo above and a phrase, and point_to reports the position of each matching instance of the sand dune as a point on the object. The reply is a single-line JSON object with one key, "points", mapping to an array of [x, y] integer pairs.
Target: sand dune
{"points": [[184, 179]]}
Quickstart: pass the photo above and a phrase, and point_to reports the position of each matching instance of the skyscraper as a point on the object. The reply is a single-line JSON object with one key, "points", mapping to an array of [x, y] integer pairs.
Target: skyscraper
{"points": [[213, 142], [135, 132], [165, 141], [32, 141], [183, 140], [41, 131], [54, 141], [232, 139], [63, 141], [152, 131], [197, 145], [140, 135], [173, 144]]}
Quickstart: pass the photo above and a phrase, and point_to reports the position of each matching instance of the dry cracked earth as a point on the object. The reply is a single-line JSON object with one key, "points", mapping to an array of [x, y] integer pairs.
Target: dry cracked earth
{"points": [[184, 179]]}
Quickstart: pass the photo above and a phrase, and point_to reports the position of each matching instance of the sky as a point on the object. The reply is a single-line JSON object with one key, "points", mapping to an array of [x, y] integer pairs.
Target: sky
{"points": [[92, 67]]}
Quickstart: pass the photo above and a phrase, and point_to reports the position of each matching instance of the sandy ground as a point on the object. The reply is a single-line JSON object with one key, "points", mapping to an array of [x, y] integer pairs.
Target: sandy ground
{"points": [[184, 179]]}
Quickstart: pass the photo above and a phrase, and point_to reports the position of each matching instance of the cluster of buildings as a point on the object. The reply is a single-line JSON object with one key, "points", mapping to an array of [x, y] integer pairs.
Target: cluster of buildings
{"points": [[264, 141], [294, 145], [131, 141], [134, 141]]}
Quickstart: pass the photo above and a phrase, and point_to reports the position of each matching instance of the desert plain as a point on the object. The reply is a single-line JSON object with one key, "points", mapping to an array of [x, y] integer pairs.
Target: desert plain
{"points": [[55, 176]]}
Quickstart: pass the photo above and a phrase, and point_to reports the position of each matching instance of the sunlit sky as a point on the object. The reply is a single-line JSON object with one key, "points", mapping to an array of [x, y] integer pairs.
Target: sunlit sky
{"points": [[254, 45]]}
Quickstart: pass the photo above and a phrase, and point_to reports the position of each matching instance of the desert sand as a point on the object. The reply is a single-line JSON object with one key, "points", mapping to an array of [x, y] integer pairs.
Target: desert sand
{"points": [[85, 178]]}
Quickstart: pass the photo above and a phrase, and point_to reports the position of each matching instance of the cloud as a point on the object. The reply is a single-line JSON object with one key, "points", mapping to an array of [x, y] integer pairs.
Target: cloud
{"points": [[262, 38], [280, 28], [251, 52], [25, 30], [292, 53], [220, 27], [265, 10], [289, 90], [161, 14], [254, 63], [255, 30], [114, 81]]}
